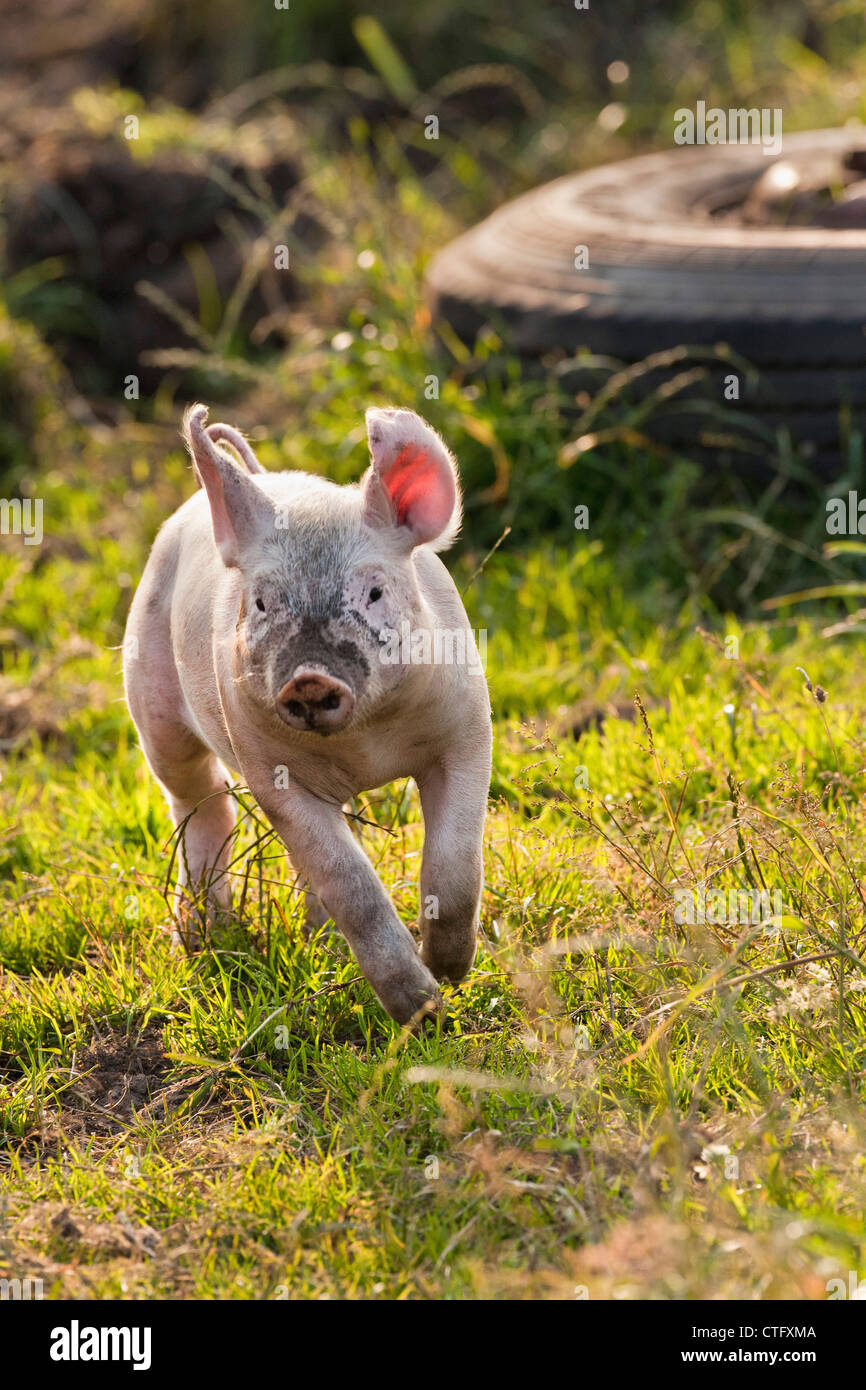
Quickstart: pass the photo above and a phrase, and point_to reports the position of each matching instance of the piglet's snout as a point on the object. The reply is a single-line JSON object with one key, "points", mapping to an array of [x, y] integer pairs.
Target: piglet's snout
{"points": [[314, 700]]}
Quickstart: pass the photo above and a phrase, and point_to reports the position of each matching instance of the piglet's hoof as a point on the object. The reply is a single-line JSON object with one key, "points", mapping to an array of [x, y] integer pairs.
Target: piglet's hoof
{"points": [[411, 998]]}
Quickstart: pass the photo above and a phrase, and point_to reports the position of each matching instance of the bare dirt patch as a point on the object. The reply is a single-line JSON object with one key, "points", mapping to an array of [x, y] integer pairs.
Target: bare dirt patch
{"points": [[115, 1078]]}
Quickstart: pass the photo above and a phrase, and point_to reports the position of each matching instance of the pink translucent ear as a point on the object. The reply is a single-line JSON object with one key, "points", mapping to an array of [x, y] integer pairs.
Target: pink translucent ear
{"points": [[412, 480]]}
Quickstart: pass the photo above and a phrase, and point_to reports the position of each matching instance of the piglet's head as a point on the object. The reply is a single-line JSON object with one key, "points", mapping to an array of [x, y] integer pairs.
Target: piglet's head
{"points": [[328, 574]]}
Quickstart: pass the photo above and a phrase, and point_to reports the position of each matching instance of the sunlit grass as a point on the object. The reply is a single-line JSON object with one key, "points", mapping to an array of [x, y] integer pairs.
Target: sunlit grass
{"points": [[602, 1064]]}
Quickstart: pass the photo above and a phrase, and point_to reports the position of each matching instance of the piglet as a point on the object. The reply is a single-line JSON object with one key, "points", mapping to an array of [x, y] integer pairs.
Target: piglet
{"points": [[307, 636]]}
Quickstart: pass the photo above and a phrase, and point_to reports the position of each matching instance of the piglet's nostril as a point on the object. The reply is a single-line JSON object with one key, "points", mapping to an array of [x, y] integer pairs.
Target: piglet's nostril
{"points": [[314, 700]]}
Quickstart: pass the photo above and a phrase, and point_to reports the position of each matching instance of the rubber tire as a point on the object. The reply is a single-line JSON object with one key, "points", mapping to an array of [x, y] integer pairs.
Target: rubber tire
{"points": [[664, 271]]}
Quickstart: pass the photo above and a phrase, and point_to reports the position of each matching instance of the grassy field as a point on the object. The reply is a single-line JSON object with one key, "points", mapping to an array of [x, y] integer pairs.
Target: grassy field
{"points": [[642, 1089]]}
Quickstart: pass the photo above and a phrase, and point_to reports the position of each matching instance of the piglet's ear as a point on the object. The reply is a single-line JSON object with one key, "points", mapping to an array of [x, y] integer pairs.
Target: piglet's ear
{"points": [[411, 484], [241, 512]]}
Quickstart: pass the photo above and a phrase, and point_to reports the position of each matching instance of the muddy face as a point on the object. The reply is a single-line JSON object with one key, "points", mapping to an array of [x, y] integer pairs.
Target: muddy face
{"points": [[314, 621]]}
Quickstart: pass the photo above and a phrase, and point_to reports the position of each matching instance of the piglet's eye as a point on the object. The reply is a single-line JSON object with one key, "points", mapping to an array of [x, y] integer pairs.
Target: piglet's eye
{"points": [[375, 593], [259, 605]]}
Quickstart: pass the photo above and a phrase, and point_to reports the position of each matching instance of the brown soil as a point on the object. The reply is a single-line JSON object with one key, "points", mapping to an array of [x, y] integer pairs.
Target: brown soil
{"points": [[115, 1079]]}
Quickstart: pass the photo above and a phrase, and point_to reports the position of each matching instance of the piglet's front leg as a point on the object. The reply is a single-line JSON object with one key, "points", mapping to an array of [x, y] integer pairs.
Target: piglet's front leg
{"points": [[323, 848], [454, 801]]}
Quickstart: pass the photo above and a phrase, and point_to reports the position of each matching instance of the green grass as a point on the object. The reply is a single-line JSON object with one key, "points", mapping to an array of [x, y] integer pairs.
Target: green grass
{"points": [[597, 1070], [617, 1103]]}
